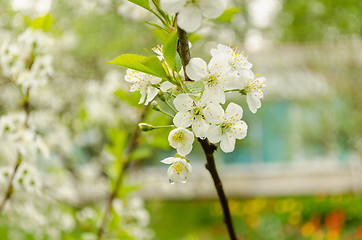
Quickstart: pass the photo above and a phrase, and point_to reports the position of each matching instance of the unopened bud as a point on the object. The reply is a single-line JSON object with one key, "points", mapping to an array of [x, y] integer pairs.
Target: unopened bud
{"points": [[155, 106], [144, 127], [161, 96], [243, 91]]}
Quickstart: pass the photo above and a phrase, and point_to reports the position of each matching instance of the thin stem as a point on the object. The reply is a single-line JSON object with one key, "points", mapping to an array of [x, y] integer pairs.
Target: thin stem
{"points": [[9, 190], [170, 106], [166, 113], [209, 149], [233, 90], [184, 52], [133, 144]]}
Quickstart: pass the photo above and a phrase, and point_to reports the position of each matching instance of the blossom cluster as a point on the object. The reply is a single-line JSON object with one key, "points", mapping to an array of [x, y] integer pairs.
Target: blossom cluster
{"points": [[26, 61], [198, 104]]}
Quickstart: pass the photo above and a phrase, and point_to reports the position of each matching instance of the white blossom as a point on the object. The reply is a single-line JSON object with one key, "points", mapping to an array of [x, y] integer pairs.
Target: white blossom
{"points": [[144, 83], [179, 171], [254, 86], [190, 12], [226, 126], [181, 139], [216, 78], [191, 113], [236, 59]]}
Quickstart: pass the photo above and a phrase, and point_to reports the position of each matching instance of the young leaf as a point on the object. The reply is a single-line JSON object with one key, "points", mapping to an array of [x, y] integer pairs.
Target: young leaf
{"points": [[155, 65], [142, 3], [196, 87], [228, 15], [140, 63], [44, 22], [169, 50]]}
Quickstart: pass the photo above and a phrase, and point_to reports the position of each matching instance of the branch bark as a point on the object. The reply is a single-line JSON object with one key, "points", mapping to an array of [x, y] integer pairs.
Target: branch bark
{"points": [[9, 190], [131, 147], [183, 50], [209, 148]]}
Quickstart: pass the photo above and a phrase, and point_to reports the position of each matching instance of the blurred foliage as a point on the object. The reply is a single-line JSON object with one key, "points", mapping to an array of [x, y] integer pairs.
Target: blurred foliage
{"points": [[318, 20], [289, 218]]}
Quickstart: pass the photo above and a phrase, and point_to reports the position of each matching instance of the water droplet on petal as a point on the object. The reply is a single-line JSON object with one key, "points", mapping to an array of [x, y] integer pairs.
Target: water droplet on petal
{"points": [[171, 181]]}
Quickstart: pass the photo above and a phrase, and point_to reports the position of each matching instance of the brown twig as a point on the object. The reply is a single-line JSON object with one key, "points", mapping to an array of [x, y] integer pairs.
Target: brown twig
{"points": [[9, 190], [209, 149], [133, 144], [183, 49], [184, 52]]}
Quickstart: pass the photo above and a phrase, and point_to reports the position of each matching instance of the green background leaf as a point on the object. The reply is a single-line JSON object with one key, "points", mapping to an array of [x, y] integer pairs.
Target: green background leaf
{"points": [[142, 3]]}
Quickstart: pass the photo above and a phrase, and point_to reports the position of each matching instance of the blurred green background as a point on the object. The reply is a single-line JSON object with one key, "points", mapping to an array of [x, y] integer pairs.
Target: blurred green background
{"points": [[300, 166]]}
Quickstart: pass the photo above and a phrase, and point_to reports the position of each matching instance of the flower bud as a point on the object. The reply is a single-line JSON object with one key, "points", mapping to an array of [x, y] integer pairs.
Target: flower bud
{"points": [[155, 106], [243, 92], [144, 127], [161, 96]]}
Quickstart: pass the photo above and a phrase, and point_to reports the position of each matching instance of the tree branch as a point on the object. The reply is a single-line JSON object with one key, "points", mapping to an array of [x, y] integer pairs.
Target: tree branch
{"points": [[10, 189], [209, 149], [184, 52], [133, 144]]}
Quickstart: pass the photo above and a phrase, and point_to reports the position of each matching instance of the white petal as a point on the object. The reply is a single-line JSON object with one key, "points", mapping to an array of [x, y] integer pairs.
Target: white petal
{"points": [[214, 134], [232, 81], [196, 69], [172, 6], [143, 92], [215, 95], [200, 128], [151, 94], [233, 112], [166, 86], [183, 102], [227, 143], [212, 9], [214, 113], [189, 18], [184, 149], [245, 75], [154, 80], [253, 102], [239, 130], [221, 49], [182, 119], [189, 136], [169, 160]]}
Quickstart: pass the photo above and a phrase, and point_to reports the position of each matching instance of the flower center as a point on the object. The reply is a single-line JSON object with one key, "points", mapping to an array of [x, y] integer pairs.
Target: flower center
{"points": [[225, 127], [255, 85], [212, 81], [197, 112], [178, 167], [179, 137]]}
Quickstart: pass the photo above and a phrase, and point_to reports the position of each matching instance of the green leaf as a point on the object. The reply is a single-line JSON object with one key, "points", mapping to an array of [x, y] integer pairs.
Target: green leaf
{"points": [[178, 63], [228, 15], [169, 49], [196, 87], [142, 3], [155, 65], [150, 65], [44, 22]]}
